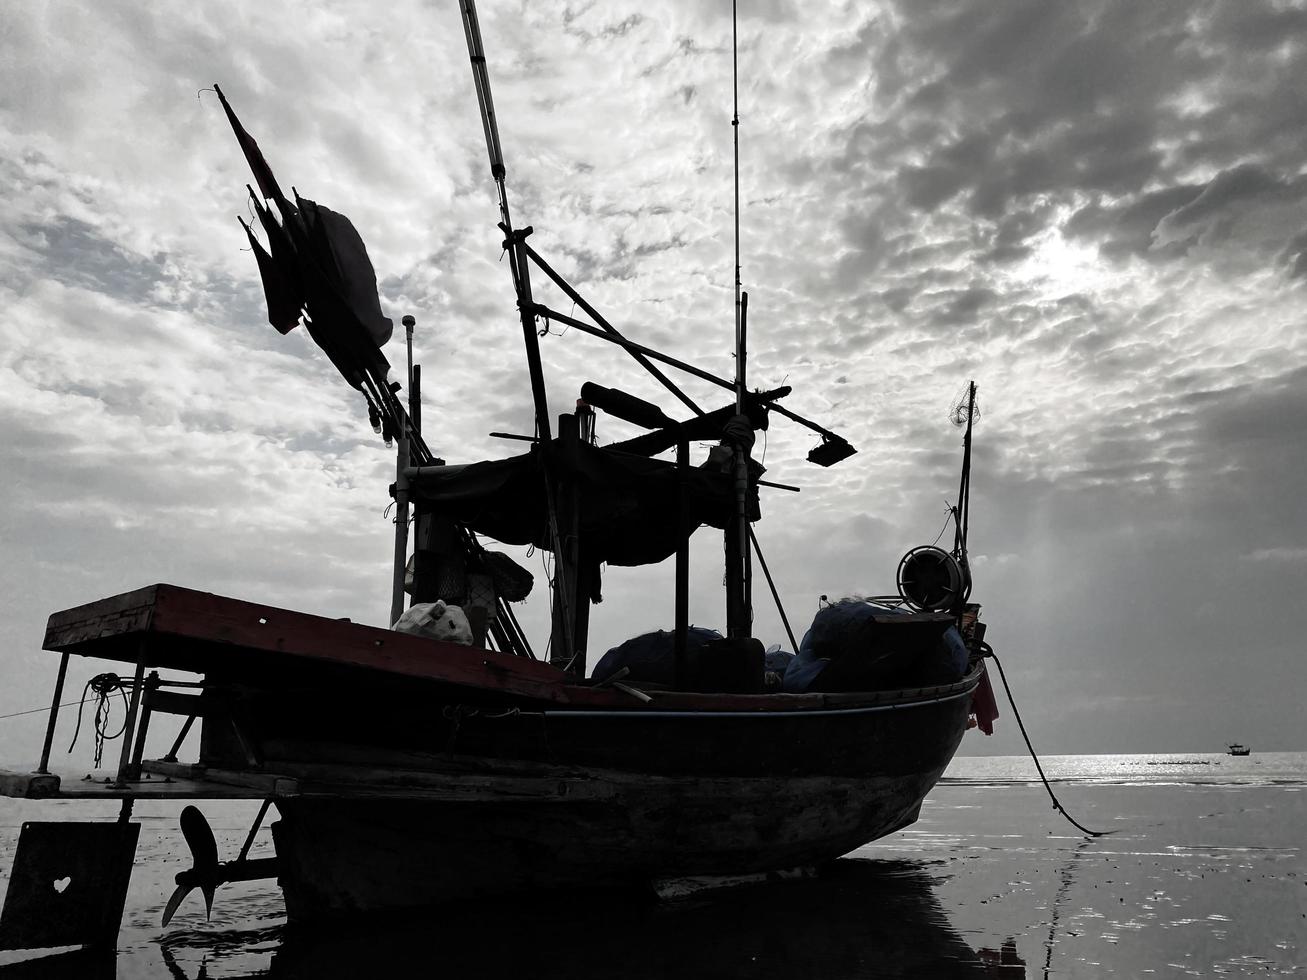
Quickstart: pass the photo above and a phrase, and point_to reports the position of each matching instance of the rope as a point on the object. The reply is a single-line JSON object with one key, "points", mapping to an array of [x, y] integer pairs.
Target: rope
{"points": [[776, 596], [988, 651], [32, 711], [103, 685]]}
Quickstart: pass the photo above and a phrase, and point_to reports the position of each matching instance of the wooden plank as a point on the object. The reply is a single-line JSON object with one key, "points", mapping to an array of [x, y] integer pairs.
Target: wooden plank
{"points": [[116, 615], [353, 782], [250, 626], [172, 703], [258, 785], [28, 785], [200, 632], [147, 788]]}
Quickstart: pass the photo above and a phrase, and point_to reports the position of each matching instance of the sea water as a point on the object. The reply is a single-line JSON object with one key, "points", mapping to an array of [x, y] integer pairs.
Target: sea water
{"points": [[1202, 872]]}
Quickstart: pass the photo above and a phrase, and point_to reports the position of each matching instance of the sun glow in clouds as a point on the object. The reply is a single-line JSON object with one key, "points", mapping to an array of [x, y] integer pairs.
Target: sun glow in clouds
{"points": [[1058, 267]]}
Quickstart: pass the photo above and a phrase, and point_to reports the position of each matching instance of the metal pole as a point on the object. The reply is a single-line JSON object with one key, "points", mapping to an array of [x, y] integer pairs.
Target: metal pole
{"points": [[44, 767], [258, 821], [409, 323], [515, 245], [401, 527], [151, 684], [516, 241], [181, 737], [481, 78], [610, 331], [415, 399], [129, 729], [633, 347], [682, 640]]}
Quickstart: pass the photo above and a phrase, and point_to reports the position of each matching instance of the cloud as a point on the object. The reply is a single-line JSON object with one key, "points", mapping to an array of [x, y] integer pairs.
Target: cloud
{"points": [[1096, 210], [1279, 556]]}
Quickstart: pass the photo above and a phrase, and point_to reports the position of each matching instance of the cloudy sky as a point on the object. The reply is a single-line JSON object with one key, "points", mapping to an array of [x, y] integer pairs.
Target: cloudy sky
{"points": [[1098, 210]]}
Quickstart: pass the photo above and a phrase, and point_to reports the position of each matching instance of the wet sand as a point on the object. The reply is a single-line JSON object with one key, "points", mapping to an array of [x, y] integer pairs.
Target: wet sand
{"points": [[1196, 880], [1193, 880]]}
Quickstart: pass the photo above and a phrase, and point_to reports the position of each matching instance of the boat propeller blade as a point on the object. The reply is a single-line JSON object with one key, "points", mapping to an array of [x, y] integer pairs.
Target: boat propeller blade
{"points": [[203, 873], [199, 838], [169, 910]]}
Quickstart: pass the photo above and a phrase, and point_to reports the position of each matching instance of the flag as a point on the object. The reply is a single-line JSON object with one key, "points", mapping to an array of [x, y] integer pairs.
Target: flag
{"points": [[253, 155], [284, 300], [316, 263]]}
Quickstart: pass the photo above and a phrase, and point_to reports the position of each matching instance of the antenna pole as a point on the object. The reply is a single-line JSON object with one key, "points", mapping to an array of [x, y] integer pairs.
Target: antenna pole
{"points": [[481, 77], [735, 132]]}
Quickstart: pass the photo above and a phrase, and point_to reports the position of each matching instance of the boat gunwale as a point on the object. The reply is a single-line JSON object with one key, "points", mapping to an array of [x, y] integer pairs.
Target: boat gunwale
{"points": [[688, 704]]}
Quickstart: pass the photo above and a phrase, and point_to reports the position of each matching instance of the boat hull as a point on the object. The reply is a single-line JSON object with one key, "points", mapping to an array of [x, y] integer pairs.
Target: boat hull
{"points": [[609, 828], [411, 772]]}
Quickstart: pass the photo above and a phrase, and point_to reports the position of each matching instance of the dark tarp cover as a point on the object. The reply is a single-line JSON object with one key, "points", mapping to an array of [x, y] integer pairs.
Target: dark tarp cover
{"points": [[651, 657], [628, 503], [357, 278]]}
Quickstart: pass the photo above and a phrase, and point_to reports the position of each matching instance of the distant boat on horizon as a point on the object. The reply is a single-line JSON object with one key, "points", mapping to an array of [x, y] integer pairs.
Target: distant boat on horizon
{"points": [[1234, 748]]}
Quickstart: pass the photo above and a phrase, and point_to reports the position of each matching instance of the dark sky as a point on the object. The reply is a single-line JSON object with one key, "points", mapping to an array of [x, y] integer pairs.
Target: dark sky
{"points": [[1097, 210]]}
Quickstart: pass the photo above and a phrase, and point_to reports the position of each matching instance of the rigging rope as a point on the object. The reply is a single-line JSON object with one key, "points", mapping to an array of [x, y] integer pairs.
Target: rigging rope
{"points": [[988, 651]]}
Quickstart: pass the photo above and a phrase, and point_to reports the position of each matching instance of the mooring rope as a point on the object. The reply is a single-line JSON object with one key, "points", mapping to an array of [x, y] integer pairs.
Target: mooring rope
{"points": [[103, 685], [988, 651]]}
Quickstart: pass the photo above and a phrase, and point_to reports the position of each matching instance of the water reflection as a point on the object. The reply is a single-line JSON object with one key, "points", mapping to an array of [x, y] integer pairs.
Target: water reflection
{"points": [[858, 919], [1066, 878]]}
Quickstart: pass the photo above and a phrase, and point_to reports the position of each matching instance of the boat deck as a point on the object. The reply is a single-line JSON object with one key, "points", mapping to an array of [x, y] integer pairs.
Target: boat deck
{"points": [[182, 629]]}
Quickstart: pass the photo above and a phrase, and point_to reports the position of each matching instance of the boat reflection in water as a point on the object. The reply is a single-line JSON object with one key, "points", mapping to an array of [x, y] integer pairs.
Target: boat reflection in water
{"points": [[857, 919]]}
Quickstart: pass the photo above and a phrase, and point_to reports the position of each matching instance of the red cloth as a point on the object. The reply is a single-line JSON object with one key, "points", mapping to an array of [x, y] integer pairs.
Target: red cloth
{"points": [[983, 704]]}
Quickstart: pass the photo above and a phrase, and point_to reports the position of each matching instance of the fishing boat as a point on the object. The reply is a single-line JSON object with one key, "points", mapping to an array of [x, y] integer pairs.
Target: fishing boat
{"points": [[1234, 748], [445, 759]]}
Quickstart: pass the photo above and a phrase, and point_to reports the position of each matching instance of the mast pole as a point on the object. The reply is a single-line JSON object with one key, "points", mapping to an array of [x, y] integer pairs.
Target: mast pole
{"points": [[963, 518], [964, 484], [739, 612], [515, 246]]}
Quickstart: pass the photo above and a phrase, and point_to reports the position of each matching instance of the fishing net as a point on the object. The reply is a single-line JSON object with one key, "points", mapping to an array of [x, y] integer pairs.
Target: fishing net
{"points": [[964, 409]]}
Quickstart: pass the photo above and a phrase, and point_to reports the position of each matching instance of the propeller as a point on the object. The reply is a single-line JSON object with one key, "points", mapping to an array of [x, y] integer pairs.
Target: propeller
{"points": [[206, 872], [203, 872]]}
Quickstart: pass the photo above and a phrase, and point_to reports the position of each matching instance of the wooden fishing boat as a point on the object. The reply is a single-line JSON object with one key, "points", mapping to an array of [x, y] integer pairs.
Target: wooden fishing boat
{"points": [[1234, 748], [408, 770]]}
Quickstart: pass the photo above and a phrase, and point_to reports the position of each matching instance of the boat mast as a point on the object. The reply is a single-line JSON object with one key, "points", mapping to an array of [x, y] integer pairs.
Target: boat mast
{"points": [[962, 515], [739, 606], [516, 247]]}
